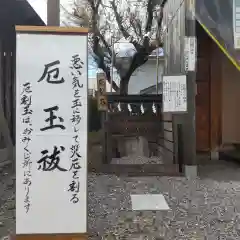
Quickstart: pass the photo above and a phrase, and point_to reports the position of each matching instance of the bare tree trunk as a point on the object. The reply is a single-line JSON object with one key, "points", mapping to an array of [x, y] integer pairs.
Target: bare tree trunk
{"points": [[124, 86]]}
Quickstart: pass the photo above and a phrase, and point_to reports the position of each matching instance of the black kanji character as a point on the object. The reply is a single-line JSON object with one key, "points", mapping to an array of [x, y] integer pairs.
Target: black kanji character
{"points": [[27, 111], [26, 162], [74, 186], [26, 100], [75, 151], [26, 88], [76, 83], [51, 118], [77, 62], [76, 103], [103, 101], [76, 118], [52, 74], [75, 165], [51, 162]]}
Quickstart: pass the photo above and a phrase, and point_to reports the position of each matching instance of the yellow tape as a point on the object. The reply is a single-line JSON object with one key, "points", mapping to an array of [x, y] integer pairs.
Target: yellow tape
{"points": [[234, 62]]}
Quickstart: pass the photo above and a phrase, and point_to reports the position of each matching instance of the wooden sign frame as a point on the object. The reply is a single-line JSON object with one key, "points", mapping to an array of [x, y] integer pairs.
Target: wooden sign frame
{"points": [[60, 31], [101, 93]]}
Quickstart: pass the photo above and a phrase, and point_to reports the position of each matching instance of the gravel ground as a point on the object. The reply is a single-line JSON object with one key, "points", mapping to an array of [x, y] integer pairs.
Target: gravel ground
{"points": [[7, 201], [208, 208]]}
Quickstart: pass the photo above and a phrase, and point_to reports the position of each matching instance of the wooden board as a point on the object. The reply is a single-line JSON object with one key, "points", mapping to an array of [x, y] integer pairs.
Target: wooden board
{"points": [[203, 91], [51, 29], [52, 237], [216, 97], [209, 92], [202, 117], [36, 216]]}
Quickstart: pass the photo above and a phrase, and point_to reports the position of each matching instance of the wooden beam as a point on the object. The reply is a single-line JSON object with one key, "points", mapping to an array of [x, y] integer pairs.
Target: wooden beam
{"points": [[134, 98], [52, 237], [51, 29]]}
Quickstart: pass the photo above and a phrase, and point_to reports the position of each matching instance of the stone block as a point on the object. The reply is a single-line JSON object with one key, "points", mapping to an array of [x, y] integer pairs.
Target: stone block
{"points": [[191, 172], [136, 146]]}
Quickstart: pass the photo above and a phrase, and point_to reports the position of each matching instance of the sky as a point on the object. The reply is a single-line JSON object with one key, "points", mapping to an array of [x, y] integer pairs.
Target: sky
{"points": [[40, 6]]}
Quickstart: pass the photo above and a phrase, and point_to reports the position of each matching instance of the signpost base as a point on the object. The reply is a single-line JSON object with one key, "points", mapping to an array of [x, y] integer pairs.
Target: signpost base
{"points": [[52, 237]]}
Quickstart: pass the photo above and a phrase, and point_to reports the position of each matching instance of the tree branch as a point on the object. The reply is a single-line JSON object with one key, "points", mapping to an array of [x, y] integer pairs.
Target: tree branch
{"points": [[139, 27], [136, 25], [99, 59], [150, 7], [105, 43], [98, 3], [102, 49], [125, 33]]}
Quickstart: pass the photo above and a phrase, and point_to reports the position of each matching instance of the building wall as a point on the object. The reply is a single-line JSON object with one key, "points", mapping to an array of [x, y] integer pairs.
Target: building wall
{"points": [[173, 38], [230, 102], [145, 76], [218, 98], [142, 78], [203, 79]]}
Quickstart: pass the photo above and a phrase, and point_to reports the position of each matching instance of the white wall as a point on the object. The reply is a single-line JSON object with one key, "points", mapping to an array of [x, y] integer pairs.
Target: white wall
{"points": [[145, 76]]}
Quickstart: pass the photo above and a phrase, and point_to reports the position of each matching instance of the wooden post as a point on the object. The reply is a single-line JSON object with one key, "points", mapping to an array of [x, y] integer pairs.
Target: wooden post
{"points": [[189, 132], [101, 93], [53, 12], [3, 122], [103, 108]]}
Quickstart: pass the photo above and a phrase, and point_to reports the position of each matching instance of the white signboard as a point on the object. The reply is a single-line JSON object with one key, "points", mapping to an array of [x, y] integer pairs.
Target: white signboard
{"points": [[51, 133], [236, 23], [174, 94], [190, 53]]}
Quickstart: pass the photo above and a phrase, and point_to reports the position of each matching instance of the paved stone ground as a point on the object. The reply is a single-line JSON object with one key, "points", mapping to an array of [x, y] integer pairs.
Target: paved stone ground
{"points": [[208, 208], [135, 159]]}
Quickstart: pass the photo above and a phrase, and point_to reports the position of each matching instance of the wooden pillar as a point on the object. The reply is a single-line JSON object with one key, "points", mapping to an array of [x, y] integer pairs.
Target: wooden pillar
{"points": [[8, 83], [4, 128], [53, 12], [189, 132], [216, 98]]}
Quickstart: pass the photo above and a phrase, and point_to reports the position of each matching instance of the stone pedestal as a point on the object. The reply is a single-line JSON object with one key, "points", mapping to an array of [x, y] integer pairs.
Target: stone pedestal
{"points": [[137, 146], [133, 146], [191, 172]]}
